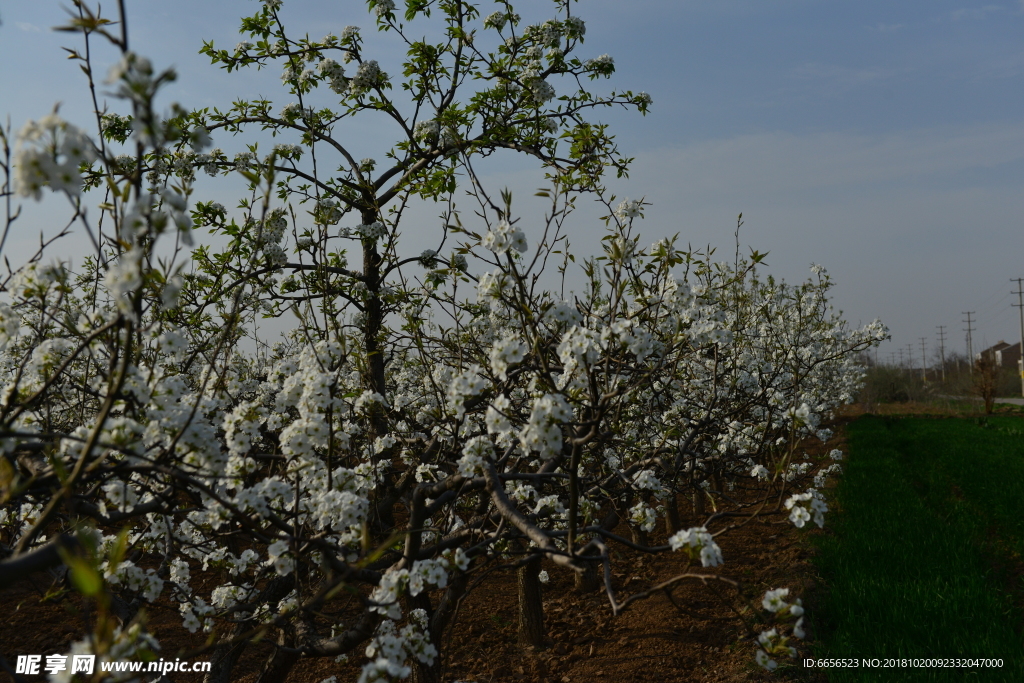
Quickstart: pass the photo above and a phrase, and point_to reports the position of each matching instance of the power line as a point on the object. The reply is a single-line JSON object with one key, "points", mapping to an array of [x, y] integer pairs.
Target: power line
{"points": [[989, 307], [1005, 308], [993, 294]]}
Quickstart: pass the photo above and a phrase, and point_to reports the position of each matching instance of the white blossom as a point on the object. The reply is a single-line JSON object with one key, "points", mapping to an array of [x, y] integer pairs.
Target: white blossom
{"points": [[697, 541], [49, 153]]}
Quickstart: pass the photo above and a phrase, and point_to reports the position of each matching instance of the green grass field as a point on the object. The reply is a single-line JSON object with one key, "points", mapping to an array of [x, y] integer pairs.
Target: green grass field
{"points": [[924, 558]]}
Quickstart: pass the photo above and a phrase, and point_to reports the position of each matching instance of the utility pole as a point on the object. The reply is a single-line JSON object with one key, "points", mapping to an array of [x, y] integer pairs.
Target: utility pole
{"points": [[910, 356], [901, 359], [1020, 309], [970, 347], [942, 350], [924, 363]]}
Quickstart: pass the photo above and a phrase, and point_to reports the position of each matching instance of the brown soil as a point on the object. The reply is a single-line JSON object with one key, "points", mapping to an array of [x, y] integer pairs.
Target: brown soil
{"points": [[705, 634]]}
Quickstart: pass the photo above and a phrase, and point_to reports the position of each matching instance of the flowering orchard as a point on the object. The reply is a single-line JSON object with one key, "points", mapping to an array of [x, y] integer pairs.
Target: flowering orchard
{"points": [[427, 418]]}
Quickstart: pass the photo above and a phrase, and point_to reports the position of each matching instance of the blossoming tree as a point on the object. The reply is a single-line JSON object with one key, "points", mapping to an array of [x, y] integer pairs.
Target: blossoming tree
{"points": [[429, 417]]}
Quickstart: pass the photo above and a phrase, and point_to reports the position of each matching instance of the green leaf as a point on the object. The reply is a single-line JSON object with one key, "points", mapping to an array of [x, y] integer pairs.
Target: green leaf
{"points": [[84, 576]]}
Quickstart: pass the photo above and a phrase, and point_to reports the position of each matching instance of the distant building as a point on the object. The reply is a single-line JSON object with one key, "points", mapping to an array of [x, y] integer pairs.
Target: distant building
{"points": [[1005, 355]]}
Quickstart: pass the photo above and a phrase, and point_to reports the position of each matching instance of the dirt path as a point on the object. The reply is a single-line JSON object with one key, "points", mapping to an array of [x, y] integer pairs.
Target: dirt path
{"points": [[701, 633]]}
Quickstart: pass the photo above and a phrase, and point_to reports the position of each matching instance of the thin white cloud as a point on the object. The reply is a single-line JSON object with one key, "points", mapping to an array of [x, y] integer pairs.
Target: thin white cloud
{"points": [[25, 26], [843, 75], [908, 222], [974, 12], [890, 28], [778, 162], [1007, 66]]}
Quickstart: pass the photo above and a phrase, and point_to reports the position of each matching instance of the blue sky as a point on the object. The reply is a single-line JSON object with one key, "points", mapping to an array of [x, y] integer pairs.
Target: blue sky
{"points": [[882, 140]]}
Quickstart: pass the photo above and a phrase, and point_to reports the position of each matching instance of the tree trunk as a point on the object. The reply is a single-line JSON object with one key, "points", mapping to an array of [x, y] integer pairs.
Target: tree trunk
{"points": [[716, 481], [447, 610], [588, 581], [421, 673], [610, 521], [672, 521], [700, 502], [640, 537], [426, 673], [382, 519], [531, 607], [223, 659], [374, 317], [280, 663], [224, 656]]}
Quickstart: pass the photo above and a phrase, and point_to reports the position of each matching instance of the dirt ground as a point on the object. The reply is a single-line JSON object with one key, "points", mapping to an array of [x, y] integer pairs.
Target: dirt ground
{"points": [[707, 635]]}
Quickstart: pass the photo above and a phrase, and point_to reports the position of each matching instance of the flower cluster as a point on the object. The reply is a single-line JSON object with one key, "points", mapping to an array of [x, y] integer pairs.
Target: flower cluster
{"points": [[503, 237], [335, 74], [697, 542], [371, 231], [497, 20], [505, 353], [543, 432], [413, 424], [806, 506], [603, 65], [368, 75], [51, 153], [628, 209], [327, 211], [773, 642]]}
